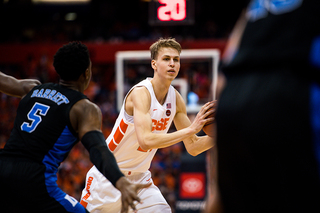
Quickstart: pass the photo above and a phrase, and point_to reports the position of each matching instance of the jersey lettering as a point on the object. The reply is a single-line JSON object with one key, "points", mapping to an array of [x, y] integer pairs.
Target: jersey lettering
{"points": [[157, 125], [34, 116], [52, 95], [160, 124]]}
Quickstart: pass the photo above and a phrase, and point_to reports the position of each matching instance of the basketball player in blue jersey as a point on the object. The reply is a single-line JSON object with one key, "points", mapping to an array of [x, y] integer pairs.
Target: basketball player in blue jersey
{"points": [[51, 119], [268, 116]]}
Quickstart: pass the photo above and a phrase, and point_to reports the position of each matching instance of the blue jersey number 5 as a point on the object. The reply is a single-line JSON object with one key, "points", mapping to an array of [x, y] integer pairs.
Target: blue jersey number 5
{"points": [[34, 117]]}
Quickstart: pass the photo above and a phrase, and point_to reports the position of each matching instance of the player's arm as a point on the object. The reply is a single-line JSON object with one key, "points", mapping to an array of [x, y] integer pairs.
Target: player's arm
{"points": [[140, 100], [15, 87], [194, 144], [86, 119]]}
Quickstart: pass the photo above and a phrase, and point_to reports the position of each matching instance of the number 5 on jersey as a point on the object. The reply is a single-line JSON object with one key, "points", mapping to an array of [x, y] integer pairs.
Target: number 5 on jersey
{"points": [[34, 117]]}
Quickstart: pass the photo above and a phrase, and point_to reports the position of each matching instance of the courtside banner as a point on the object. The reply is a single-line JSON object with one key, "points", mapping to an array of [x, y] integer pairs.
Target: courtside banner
{"points": [[192, 185]]}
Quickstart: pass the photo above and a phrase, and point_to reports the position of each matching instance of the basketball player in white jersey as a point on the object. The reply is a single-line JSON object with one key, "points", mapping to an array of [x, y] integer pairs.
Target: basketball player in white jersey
{"points": [[141, 128]]}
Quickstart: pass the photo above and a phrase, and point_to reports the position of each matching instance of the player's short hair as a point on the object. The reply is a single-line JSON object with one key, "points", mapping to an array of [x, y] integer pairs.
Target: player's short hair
{"points": [[164, 42], [71, 60]]}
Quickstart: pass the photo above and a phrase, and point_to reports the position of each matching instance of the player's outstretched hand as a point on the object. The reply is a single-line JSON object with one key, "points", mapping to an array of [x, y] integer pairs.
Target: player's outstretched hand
{"points": [[129, 193], [16, 87], [204, 116]]}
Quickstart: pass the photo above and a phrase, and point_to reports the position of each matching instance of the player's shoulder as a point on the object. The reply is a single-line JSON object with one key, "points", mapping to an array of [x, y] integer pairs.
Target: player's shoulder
{"points": [[179, 99], [85, 105], [139, 91], [180, 104]]}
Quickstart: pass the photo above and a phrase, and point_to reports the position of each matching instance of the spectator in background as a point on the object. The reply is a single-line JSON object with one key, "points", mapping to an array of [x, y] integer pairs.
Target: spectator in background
{"points": [[268, 132]]}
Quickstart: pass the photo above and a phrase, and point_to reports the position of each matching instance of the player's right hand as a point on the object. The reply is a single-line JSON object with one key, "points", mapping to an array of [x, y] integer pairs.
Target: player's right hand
{"points": [[129, 193]]}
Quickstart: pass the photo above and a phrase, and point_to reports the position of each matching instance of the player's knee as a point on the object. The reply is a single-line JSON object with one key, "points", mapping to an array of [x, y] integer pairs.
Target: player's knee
{"points": [[160, 208]]}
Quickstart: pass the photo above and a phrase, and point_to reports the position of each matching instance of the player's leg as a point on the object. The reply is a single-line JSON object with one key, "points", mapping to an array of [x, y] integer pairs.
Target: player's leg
{"points": [[153, 201], [68, 203], [151, 197], [26, 187], [157, 208], [99, 195]]}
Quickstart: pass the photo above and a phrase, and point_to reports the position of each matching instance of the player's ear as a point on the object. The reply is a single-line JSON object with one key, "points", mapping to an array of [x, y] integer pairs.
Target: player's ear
{"points": [[153, 64], [87, 74]]}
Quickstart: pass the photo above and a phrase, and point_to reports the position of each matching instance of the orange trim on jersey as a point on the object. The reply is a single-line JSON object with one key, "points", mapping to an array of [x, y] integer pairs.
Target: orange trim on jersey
{"points": [[140, 149], [112, 145], [123, 126], [118, 135], [83, 203]]}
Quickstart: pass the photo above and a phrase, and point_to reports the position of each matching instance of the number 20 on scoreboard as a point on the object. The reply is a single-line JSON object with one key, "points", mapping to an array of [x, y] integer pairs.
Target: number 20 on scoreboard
{"points": [[173, 12]]}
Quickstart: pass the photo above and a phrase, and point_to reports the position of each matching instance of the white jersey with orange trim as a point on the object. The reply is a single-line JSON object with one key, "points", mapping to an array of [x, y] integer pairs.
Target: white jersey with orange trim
{"points": [[100, 195], [123, 141]]}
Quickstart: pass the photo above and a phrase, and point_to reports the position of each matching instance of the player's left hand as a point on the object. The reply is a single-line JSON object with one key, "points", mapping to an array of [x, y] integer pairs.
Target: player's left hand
{"points": [[129, 193], [204, 116]]}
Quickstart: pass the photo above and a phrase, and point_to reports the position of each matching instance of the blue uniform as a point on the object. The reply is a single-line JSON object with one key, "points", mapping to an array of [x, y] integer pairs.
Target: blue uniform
{"points": [[41, 139], [268, 117]]}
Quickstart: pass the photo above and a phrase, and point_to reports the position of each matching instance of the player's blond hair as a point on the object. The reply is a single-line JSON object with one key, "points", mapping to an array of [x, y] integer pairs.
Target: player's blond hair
{"points": [[164, 42]]}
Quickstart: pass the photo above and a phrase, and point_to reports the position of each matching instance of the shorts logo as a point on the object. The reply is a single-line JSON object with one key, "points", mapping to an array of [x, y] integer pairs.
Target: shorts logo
{"points": [[82, 202]]}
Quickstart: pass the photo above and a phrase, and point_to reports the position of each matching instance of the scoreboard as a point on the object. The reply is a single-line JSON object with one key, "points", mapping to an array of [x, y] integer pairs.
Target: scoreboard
{"points": [[171, 12]]}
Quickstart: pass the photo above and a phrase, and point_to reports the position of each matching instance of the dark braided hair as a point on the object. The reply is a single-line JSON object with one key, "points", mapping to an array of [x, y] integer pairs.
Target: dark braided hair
{"points": [[71, 60]]}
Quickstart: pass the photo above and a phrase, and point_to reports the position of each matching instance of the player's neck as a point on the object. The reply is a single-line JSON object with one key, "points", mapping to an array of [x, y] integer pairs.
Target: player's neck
{"points": [[70, 84], [160, 90]]}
